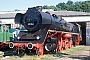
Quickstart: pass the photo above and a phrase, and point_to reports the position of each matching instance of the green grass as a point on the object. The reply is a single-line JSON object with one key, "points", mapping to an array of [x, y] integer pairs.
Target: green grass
{"points": [[74, 49], [35, 57]]}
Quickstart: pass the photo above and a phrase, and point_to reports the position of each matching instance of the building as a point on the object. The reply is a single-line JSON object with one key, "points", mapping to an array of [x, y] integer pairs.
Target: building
{"points": [[81, 18]]}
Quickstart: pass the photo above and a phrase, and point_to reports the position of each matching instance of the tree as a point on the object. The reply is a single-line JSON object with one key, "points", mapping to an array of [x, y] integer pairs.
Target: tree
{"points": [[61, 6], [46, 7], [54, 8], [69, 2], [82, 6]]}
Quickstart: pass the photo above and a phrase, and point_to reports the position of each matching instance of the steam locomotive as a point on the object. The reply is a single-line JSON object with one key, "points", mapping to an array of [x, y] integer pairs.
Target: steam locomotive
{"points": [[44, 32]]}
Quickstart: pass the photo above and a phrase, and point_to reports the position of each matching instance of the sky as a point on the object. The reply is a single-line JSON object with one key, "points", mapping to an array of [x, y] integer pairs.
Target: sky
{"points": [[11, 5]]}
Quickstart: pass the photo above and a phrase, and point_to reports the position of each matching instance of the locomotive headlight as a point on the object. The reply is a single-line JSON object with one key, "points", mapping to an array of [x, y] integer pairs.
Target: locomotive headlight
{"points": [[18, 37], [38, 37]]}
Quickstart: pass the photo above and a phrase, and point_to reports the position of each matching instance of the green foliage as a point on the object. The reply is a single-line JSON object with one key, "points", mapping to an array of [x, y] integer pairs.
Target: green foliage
{"points": [[82, 6], [50, 7]]}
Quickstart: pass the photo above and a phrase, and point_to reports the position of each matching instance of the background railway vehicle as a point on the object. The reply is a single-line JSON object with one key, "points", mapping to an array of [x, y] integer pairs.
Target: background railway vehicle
{"points": [[44, 33], [5, 36]]}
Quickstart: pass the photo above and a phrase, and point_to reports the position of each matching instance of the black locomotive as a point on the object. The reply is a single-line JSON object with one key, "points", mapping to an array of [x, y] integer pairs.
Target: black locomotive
{"points": [[44, 32], [34, 19]]}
